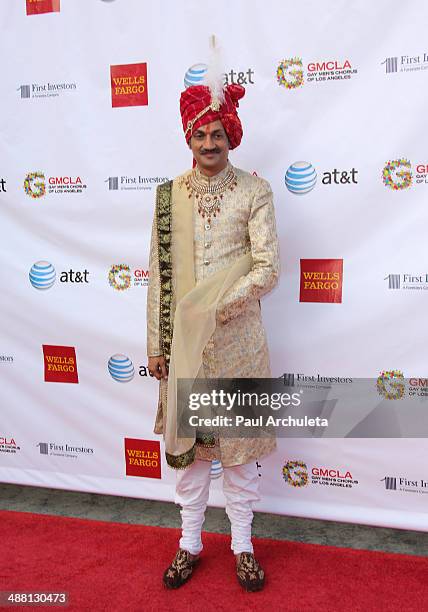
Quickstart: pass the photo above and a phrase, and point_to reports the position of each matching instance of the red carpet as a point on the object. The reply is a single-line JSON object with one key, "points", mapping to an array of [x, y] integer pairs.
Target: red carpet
{"points": [[115, 567]]}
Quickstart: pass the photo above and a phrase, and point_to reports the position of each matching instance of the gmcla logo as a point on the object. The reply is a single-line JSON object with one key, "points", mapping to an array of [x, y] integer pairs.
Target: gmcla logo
{"points": [[60, 364], [142, 458], [120, 277], [35, 184], [397, 174], [295, 473], [290, 72], [129, 85], [321, 280], [390, 384], [36, 7], [8, 444]]}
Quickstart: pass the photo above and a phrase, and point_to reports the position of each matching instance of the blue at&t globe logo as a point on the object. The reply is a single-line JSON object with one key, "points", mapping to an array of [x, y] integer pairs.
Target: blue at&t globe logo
{"points": [[195, 75], [121, 368], [300, 177], [42, 275]]}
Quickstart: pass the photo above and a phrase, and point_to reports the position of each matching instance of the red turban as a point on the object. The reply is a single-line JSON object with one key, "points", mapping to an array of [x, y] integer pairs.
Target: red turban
{"points": [[197, 109]]}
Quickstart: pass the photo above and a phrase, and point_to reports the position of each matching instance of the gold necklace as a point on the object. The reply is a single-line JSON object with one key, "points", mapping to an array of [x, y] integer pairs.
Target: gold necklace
{"points": [[209, 195]]}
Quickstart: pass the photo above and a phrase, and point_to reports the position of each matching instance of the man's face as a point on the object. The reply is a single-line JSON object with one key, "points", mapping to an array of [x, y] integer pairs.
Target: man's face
{"points": [[210, 148]]}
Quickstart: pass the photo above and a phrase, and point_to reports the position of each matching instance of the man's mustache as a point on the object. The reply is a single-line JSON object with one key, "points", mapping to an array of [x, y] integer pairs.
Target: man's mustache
{"points": [[208, 151]]}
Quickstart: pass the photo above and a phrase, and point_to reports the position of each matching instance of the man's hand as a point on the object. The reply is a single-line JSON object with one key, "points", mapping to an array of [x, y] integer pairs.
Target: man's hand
{"points": [[157, 367]]}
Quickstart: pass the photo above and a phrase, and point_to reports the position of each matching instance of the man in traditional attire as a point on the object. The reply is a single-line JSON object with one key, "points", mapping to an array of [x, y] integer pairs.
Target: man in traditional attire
{"points": [[213, 255]]}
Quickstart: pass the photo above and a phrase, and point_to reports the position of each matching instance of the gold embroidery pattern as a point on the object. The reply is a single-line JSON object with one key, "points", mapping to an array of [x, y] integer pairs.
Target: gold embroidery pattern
{"points": [[214, 106], [207, 440], [250, 574], [180, 462], [239, 348], [163, 212]]}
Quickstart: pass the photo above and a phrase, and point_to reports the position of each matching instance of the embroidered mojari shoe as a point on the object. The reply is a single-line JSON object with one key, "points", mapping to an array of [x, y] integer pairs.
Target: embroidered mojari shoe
{"points": [[250, 575], [180, 570]]}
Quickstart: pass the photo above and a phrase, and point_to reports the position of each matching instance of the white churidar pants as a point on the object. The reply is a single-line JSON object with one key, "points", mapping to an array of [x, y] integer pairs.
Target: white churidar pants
{"points": [[240, 487]]}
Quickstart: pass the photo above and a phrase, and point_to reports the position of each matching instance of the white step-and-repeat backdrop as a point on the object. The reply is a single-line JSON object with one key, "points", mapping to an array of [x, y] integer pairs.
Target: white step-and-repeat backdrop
{"points": [[336, 96]]}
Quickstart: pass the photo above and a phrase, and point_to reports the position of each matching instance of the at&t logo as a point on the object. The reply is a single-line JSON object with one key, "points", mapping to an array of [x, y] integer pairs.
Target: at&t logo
{"points": [[195, 75], [42, 275], [121, 368], [300, 177]]}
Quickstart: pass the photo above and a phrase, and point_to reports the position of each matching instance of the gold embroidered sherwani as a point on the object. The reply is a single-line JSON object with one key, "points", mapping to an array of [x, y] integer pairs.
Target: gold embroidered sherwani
{"points": [[238, 347]]}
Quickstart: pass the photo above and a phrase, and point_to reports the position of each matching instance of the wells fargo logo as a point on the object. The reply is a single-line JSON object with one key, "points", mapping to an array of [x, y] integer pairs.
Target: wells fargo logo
{"points": [[321, 280], [60, 364], [36, 7], [129, 85], [142, 458]]}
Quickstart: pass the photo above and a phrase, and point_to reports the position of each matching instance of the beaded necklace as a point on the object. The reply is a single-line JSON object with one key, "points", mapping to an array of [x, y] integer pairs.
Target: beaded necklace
{"points": [[210, 194]]}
